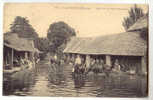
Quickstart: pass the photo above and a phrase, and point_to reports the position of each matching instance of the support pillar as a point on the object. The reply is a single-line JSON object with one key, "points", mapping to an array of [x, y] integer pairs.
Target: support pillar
{"points": [[26, 55], [143, 65], [31, 56], [33, 59], [108, 60], [68, 57], [12, 56], [87, 61], [32, 53]]}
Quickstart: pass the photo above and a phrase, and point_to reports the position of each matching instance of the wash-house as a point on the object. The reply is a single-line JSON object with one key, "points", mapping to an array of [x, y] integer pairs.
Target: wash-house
{"points": [[16, 48], [128, 47]]}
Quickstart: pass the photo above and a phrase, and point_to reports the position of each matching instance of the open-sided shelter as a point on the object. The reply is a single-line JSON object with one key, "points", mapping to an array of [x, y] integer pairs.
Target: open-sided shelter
{"points": [[16, 47], [128, 47]]}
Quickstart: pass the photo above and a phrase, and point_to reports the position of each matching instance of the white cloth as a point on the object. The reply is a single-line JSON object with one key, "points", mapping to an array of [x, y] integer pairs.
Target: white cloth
{"points": [[72, 69], [30, 65], [37, 60], [87, 61], [78, 60], [55, 57], [22, 61]]}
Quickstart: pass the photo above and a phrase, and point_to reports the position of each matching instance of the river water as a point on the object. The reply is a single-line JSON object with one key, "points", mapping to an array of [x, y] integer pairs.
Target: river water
{"points": [[47, 83]]}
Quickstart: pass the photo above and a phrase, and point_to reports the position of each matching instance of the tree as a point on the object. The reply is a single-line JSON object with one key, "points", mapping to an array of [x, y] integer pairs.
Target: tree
{"points": [[134, 14], [42, 44], [22, 27], [59, 33]]}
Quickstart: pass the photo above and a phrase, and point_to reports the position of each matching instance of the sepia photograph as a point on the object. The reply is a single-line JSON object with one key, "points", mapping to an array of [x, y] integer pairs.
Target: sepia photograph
{"points": [[75, 50]]}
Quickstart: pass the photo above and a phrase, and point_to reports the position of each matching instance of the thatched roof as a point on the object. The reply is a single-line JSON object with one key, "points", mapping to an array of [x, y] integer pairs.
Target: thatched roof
{"points": [[140, 24], [19, 44], [128, 43]]}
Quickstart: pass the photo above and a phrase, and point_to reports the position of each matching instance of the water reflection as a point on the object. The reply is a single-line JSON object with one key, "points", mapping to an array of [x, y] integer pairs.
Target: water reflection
{"points": [[79, 81], [48, 83]]}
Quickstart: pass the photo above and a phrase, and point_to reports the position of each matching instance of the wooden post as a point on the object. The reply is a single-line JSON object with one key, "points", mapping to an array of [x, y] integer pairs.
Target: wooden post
{"points": [[11, 60], [26, 55], [33, 59], [68, 57], [143, 65], [7, 58], [32, 53], [108, 60], [87, 61], [12, 56]]}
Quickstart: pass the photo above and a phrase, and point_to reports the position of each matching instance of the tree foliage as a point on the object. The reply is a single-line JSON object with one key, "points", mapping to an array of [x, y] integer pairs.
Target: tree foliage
{"points": [[42, 44], [134, 14], [59, 33], [22, 27]]}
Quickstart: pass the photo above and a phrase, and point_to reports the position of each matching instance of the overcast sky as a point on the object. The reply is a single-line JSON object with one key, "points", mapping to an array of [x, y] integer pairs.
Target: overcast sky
{"points": [[87, 19]]}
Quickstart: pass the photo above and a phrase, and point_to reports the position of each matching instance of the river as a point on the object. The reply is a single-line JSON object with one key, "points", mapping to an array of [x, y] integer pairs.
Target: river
{"points": [[47, 83]]}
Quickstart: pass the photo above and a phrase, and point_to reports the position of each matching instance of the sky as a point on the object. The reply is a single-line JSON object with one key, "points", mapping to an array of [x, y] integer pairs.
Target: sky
{"points": [[88, 20]]}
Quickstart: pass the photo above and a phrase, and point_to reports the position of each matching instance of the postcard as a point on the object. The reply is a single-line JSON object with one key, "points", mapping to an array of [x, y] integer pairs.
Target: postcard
{"points": [[75, 50]]}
